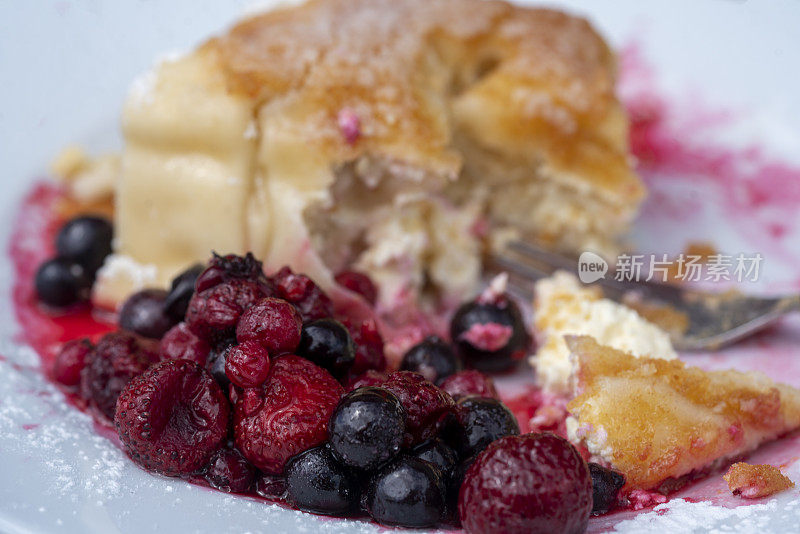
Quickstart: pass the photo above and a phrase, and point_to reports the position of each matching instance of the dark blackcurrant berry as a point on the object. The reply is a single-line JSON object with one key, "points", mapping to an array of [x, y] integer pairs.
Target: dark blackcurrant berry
{"points": [[438, 453], [215, 364], [229, 471], [432, 358], [490, 336], [479, 421], [86, 240], [181, 292], [144, 314], [408, 492], [61, 282], [327, 343], [605, 487], [367, 428], [316, 482], [454, 486]]}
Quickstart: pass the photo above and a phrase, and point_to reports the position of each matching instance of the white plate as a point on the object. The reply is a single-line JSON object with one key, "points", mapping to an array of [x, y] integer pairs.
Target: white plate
{"points": [[66, 66]]}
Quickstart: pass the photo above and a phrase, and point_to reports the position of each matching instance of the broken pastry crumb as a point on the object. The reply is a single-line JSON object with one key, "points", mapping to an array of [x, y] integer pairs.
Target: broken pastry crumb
{"points": [[756, 481]]}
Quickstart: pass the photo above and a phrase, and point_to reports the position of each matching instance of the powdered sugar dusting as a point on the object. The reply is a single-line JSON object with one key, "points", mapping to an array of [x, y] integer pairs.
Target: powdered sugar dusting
{"points": [[680, 515]]}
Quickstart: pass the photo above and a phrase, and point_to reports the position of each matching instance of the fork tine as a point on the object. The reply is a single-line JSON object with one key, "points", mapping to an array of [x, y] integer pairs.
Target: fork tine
{"points": [[616, 289], [528, 270], [715, 319], [541, 255], [532, 262]]}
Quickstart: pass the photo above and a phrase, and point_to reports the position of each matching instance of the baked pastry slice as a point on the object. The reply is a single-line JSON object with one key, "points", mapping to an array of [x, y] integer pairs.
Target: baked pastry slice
{"points": [[397, 137], [656, 421]]}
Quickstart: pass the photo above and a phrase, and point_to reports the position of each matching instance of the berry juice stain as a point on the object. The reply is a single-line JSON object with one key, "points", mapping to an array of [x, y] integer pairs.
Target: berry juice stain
{"points": [[756, 195], [32, 238]]}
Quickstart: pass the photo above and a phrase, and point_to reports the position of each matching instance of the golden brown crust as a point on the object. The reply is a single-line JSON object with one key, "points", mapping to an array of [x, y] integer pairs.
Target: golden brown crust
{"points": [[527, 82], [657, 419]]}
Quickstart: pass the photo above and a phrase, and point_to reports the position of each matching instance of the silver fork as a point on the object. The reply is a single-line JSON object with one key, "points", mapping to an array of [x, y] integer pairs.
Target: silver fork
{"points": [[714, 319]]}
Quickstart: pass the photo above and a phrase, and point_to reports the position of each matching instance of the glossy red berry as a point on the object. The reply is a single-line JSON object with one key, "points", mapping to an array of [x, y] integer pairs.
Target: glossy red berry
{"points": [[359, 283], [304, 293], [247, 364], [171, 418], [274, 323], [369, 347], [535, 483], [117, 358], [70, 361], [287, 414], [469, 383], [180, 343], [425, 404], [214, 313], [228, 471]]}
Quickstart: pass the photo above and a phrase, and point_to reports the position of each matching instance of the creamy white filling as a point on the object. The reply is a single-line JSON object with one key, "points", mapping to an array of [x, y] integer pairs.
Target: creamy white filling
{"points": [[564, 307], [119, 277]]}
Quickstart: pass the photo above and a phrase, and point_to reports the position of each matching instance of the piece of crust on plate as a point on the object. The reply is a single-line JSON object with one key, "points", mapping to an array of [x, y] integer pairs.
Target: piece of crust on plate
{"points": [[396, 137], [656, 420]]}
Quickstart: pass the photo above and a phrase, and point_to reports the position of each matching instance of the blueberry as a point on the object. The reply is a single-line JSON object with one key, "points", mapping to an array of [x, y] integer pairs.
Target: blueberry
{"points": [[86, 240], [605, 487], [144, 314], [61, 282], [437, 453], [327, 343], [490, 336], [408, 492], [367, 428], [432, 358], [316, 482], [181, 292], [479, 422]]}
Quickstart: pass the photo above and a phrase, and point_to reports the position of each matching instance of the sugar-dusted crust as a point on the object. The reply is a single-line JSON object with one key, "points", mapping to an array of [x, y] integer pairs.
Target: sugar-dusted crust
{"points": [[654, 420], [532, 83], [756, 481], [396, 137]]}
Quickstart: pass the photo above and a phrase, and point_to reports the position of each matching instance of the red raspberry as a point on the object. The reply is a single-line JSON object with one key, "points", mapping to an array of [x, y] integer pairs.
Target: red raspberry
{"points": [[528, 483], [297, 401], [118, 357], [469, 383], [70, 361], [229, 471], [226, 268], [171, 418], [180, 343], [367, 378], [300, 290], [274, 323], [358, 283], [214, 312], [247, 364], [426, 405], [369, 347]]}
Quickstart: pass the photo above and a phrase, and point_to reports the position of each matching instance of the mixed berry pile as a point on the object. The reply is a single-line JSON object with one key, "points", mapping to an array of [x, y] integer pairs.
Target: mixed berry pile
{"points": [[253, 383]]}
